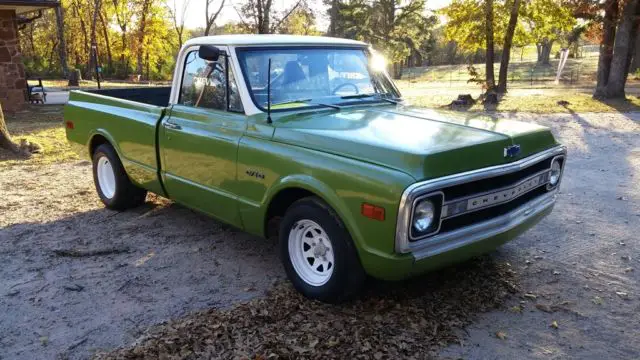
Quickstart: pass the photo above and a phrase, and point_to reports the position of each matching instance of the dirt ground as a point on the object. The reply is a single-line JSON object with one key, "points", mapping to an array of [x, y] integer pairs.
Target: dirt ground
{"points": [[578, 270]]}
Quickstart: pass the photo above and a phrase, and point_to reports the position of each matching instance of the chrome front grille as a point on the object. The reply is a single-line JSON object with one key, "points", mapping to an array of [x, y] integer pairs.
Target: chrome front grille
{"points": [[488, 199], [477, 196]]}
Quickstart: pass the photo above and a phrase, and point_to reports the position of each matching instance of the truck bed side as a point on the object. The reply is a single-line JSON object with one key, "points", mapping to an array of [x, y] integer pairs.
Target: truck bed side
{"points": [[129, 126]]}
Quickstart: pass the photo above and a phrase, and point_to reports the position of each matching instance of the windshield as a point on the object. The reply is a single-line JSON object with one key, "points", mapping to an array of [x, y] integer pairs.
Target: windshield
{"points": [[302, 77]]}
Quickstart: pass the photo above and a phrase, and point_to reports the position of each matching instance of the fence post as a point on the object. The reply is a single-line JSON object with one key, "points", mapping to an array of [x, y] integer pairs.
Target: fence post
{"points": [[571, 77], [531, 77]]}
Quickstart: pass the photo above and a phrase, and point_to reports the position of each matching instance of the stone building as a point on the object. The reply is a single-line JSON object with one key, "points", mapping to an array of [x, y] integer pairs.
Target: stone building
{"points": [[13, 84]]}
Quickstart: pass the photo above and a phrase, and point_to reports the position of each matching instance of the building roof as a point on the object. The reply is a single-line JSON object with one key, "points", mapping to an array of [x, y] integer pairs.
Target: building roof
{"points": [[252, 39], [26, 6]]}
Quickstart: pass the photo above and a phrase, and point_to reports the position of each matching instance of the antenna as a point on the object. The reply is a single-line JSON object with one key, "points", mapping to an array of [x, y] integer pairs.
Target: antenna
{"points": [[269, 121]]}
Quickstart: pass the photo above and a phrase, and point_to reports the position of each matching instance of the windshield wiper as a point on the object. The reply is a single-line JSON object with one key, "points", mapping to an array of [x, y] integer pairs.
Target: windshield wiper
{"points": [[377, 95], [307, 101], [358, 96]]}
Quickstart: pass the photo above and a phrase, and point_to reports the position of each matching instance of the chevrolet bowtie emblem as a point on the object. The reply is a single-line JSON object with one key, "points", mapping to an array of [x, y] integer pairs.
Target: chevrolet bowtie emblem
{"points": [[511, 151]]}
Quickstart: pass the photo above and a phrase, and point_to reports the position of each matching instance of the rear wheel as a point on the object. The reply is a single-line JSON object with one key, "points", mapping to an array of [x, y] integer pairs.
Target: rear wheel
{"points": [[114, 188], [317, 252]]}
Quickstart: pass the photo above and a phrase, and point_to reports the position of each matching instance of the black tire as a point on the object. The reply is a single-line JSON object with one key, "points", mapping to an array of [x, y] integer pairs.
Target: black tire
{"points": [[347, 276], [126, 194]]}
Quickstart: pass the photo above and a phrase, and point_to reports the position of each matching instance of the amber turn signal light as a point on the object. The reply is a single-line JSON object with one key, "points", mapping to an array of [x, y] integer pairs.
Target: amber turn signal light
{"points": [[372, 211]]}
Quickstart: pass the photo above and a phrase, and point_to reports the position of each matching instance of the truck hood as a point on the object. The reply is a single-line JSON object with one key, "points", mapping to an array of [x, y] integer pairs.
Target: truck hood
{"points": [[420, 142]]}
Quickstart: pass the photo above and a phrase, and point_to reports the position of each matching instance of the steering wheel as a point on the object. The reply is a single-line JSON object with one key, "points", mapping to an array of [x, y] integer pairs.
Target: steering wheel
{"points": [[355, 87]]}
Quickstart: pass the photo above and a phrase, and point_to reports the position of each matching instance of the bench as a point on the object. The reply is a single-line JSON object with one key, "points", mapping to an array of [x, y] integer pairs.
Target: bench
{"points": [[36, 93]]}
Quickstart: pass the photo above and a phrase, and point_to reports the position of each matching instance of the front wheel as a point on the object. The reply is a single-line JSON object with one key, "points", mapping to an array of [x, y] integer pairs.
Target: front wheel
{"points": [[112, 183], [318, 253]]}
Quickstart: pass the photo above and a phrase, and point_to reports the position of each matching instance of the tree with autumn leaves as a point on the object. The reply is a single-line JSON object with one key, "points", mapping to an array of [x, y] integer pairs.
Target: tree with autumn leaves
{"points": [[485, 24], [619, 33]]}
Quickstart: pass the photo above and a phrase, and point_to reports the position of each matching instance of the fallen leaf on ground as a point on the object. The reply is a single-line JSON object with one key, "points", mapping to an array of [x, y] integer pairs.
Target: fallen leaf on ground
{"points": [[501, 335], [622, 294], [286, 325], [144, 259], [516, 309], [545, 308]]}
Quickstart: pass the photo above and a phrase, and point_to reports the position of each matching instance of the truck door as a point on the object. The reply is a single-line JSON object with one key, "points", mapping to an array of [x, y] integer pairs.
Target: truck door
{"points": [[199, 140]]}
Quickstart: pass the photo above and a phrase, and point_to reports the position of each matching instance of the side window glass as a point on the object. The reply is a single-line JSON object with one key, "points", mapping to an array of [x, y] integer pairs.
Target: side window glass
{"points": [[204, 83]]}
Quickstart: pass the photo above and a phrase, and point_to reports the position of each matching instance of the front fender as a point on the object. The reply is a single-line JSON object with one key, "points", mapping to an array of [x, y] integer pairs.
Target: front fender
{"points": [[323, 191]]}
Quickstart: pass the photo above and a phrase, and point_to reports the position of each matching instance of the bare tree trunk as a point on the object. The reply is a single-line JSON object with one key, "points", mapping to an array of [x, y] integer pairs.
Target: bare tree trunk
{"points": [[334, 18], [635, 64], [506, 50], [93, 61], [62, 45], [121, 19], [85, 36], [606, 47], [490, 77], [31, 41], [105, 33], [622, 46], [452, 50], [141, 35], [210, 19], [265, 26], [544, 51], [634, 38], [5, 138]]}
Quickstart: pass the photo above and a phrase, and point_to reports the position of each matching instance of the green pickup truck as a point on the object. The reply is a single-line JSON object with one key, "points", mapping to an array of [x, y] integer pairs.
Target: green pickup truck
{"points": [[309, 140]]}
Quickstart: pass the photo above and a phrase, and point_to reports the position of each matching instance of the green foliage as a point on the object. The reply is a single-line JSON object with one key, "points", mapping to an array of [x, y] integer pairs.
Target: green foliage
{"points": [[548, 19], [394, 27], [538, 20], [302, 21], [117, 37]]}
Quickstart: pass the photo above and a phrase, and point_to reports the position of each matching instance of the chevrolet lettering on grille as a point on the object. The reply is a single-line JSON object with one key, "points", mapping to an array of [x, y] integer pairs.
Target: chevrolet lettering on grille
{"points": [[466, 205]]}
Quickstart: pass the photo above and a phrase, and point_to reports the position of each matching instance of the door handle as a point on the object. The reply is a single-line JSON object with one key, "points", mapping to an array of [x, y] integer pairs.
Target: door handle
{"points": [[172, 126]]}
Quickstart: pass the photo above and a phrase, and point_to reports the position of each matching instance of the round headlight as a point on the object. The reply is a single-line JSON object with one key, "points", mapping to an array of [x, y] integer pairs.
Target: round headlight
{"points": [[423, 215], [554, 176]]}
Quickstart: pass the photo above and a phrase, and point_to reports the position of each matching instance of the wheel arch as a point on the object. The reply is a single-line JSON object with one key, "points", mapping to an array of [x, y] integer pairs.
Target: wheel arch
{"points": [[295, 187], [100, 137]]}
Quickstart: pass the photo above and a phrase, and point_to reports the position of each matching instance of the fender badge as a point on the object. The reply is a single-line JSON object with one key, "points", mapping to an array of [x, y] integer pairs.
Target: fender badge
{"points": [[511, 151]]}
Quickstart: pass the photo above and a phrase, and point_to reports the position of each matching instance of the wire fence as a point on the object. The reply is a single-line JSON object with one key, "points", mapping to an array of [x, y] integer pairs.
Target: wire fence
{"points": [[576, 72], [533, 76]]}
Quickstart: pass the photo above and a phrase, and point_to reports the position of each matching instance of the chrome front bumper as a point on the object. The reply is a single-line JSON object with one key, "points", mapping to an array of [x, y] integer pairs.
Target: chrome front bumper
{"points": [[440, 243], [477, 232]]}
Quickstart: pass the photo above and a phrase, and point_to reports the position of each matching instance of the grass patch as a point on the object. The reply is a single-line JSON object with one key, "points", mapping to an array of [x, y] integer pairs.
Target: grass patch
{"points": [[541, 103], [42, 125]]}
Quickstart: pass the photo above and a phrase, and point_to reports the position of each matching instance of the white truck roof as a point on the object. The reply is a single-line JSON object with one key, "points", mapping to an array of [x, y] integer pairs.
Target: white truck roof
{"points": [[272, 39]]}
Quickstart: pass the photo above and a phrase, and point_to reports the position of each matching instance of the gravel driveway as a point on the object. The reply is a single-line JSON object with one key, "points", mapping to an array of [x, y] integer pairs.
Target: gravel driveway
{"points": [[76, 278]]}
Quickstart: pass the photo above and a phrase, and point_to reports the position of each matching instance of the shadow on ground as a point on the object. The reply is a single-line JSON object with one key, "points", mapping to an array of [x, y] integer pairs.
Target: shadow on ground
{"points": [[391, 320]]}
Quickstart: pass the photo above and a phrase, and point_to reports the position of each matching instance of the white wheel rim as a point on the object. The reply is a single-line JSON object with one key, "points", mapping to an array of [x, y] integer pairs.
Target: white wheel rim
{"points": [[311, 252], [106, 177]]}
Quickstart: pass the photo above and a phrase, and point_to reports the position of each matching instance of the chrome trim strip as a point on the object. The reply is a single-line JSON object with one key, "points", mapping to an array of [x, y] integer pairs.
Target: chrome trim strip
{"points": [[402, 243], [477, 232], [502, 198]]}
